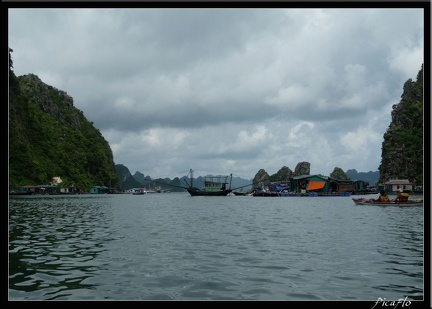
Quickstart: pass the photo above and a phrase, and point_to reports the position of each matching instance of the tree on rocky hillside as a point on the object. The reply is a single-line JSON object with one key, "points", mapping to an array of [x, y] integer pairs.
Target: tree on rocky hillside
{"points": [[402, 148]]}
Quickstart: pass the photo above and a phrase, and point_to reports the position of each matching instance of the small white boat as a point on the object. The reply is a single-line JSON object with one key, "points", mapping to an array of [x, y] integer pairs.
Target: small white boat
{"points": [[138, 191]]}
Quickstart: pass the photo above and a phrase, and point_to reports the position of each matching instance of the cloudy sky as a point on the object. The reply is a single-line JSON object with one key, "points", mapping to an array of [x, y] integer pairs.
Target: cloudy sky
{"points": [[227, 90]]}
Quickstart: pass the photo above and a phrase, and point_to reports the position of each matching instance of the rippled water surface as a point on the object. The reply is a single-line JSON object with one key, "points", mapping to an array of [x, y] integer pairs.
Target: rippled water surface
{"points": [[171, 246]]}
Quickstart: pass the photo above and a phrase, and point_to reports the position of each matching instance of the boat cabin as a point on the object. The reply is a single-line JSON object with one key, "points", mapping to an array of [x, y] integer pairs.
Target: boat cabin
{"points": [[215, 183]]}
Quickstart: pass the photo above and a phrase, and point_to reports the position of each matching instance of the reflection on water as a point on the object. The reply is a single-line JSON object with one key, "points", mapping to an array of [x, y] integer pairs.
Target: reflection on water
{"points": [[175, 247], [54, 243]]}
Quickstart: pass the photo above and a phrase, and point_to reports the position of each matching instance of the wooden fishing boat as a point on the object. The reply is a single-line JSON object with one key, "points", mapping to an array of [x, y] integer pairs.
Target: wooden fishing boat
{"points": [[213, 186], [372, 202]]}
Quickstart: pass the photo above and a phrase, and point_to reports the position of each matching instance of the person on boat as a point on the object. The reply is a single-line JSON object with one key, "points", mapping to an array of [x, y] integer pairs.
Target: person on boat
{"points": [[402, 196], [383, 197]]}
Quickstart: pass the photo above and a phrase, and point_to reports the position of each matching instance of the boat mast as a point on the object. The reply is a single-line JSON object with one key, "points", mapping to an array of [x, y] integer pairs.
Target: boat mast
{"points": [[230, 180], [191, 178]]}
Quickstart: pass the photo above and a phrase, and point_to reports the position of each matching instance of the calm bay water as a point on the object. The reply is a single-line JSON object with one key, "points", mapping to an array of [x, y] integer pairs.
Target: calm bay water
{"points": [[171, 246]]}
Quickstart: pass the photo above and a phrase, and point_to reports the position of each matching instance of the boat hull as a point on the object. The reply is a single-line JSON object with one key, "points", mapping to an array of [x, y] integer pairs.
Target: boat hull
{"points": [[193, 192], [267, 194], [369, 202]]}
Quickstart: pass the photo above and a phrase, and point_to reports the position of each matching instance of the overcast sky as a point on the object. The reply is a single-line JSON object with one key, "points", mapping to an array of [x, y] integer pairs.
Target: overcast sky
{"points": [[227, 90]]}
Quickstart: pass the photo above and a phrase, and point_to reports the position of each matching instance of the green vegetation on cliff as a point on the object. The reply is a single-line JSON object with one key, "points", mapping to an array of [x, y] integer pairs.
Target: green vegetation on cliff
{"points": [[402, 148], [49, 137]]}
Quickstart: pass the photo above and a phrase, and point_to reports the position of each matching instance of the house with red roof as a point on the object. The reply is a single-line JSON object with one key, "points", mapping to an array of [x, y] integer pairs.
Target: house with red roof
{"points": [[397, 185]]}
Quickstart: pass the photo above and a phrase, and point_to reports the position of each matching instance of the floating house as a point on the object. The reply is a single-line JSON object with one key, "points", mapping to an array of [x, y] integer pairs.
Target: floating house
{"points": [[396, 185], [306, 183], [319, 185], [99, 190]]}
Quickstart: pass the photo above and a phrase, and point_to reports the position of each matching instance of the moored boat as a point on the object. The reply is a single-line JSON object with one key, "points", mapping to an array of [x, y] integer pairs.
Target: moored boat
{"points": [[267, 194], [372, 202], [138, 191], [213, 186]]}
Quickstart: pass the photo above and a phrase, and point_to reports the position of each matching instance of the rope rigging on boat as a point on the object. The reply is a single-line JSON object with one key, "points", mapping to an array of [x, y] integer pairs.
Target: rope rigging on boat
{"points": [[189, 180], [242, 186]]}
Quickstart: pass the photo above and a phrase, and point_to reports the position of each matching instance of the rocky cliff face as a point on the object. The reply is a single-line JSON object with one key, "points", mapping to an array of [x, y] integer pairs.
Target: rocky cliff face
{"points": [[402, 148], [127, 180], [260, 178], [49, 137], [283, 175], [302, 168]]}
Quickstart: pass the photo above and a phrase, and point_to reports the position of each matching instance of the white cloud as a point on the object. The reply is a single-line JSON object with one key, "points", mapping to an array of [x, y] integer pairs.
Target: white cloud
{"points": [[227, 90]]}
